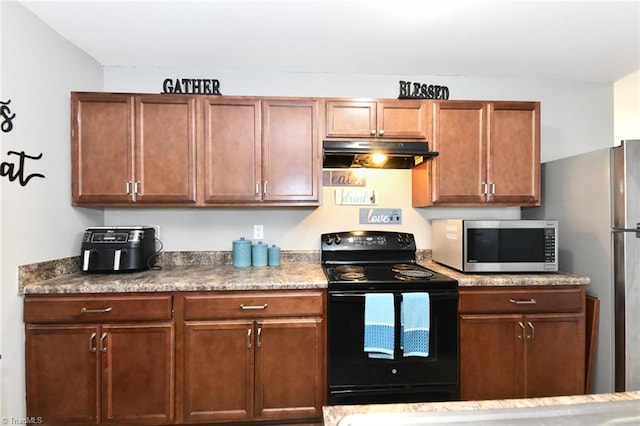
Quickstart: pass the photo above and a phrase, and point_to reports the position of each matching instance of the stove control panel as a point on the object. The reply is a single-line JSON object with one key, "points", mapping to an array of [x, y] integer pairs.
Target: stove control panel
{"points": [[368, 240]]}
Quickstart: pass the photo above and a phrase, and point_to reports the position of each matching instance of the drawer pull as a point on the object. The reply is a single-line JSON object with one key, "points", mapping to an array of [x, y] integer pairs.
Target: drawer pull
{"points": [[249, 307], [523, 302], [95, 311]]}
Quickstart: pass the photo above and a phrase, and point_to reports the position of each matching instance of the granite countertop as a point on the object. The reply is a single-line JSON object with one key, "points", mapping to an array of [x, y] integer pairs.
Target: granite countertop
{"points": [[333, 414], [187, 278], [210, 271]]}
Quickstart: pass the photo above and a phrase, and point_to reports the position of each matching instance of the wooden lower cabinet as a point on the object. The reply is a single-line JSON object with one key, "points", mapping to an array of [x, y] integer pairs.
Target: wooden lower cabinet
{"points": [[253, 356], [526, 343], [100, 373]]}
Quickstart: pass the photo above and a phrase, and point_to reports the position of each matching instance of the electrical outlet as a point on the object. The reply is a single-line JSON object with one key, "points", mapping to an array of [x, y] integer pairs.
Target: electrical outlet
{"points": [[157, 228], [258, 232]]}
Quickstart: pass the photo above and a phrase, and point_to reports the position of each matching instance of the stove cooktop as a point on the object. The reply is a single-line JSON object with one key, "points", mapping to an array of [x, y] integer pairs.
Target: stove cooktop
{"points": [[357, 276]]}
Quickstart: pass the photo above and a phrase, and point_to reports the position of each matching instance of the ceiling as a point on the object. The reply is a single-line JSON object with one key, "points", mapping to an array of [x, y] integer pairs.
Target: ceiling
{"points": [[574, 40]]}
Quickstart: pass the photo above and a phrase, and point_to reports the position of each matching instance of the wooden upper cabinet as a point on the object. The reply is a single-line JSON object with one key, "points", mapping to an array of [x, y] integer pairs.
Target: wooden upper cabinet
{"points": [[102, 148], [392, 119], [291, 151], [489, 154], [128, 149], [261, 151], [165, 149], [232, 150]]}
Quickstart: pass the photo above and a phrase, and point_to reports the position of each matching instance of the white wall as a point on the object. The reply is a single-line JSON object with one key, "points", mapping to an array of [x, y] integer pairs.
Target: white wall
{"points": [[37, 222], [626, 108], [575, 117]]}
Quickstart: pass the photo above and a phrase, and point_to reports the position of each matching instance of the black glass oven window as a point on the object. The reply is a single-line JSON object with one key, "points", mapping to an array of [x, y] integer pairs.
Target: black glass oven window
{"points": [[506, 245]]}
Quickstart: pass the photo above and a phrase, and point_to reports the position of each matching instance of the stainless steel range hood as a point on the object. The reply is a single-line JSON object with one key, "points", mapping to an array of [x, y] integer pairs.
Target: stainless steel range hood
{"points": [[397, 155]]}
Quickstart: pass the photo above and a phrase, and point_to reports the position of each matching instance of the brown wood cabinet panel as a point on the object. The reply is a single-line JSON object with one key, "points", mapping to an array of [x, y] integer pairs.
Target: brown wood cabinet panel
{"points": [[252, 305], [522, 300], [402, 119], [62, 373], [97, 309], [554, 356], [232, 150], [289, 354], [489, 154], [490, 357], [165, 153], [291, 150], [138, 373], [513, 162], [101, 147], [351, 119]]}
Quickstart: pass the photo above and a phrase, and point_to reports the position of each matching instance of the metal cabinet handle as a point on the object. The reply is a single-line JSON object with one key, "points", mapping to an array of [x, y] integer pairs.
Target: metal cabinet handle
{"points": [[520, 336], [95, 311], [136, 187], [264, 188], [381, 132], [248, 307], [523, 302], [258, 337], [485, 188], [249, 338], [533, 331], [493, 189], [257, 188], [92, 346], [373, 132], [128, 187], [103, 348]]}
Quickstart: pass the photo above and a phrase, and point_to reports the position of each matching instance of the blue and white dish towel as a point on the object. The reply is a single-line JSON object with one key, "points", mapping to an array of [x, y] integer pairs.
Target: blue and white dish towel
{"points": [[414, 324], [379, 325]]}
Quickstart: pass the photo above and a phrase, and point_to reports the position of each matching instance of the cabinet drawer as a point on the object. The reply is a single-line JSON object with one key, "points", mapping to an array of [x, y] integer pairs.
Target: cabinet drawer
{"points": [[252, 304], [52, 309], [521, 300]]}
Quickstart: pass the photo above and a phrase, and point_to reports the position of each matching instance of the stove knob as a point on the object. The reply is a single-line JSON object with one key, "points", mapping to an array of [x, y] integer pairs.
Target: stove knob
{"points": [[338, 239], [400, 240], [329, 240]]}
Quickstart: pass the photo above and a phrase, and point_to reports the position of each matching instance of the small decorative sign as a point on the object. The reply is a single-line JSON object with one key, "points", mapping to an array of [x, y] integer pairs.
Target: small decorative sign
{"points": [[380, 216], [343, 178], [355, 197], [409, 90], [192, 86]]}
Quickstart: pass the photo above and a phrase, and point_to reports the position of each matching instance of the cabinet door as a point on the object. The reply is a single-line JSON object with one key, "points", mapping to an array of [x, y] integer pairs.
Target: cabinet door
{"points": [[232, 150], [101, 147], [402, 119], [291, 151], [165, 149], [513, 161], [351, 119], [491, 348], [554, 356], [459, 171], [289, 368], [137, 373], [218, 370], [62, 373]]}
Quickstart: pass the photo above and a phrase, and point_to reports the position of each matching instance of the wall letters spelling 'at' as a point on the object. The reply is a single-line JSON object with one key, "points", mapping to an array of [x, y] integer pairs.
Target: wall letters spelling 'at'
{"points": [[15, 170]]}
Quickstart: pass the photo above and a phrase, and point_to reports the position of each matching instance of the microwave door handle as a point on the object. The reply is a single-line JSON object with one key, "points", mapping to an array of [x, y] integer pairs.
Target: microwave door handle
{"points": [[636, 230]]}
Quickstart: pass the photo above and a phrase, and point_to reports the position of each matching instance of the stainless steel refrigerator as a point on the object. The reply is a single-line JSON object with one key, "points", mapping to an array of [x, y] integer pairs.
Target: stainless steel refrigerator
{"points": [[595, 196]]}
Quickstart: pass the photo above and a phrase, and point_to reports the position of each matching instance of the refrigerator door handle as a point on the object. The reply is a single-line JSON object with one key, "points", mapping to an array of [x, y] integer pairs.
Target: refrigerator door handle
{"points": [[636, 230]]}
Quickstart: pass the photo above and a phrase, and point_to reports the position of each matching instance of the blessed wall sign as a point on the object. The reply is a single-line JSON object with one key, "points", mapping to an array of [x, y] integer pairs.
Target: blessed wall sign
{"points": [[415, 90], [192, 86]]}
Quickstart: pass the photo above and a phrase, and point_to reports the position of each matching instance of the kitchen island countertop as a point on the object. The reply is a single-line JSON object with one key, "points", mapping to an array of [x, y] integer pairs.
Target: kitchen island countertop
{"points": [[333, 414]]}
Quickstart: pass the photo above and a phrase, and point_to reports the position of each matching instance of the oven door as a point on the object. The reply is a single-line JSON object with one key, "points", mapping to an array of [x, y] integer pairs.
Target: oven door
{"points": [[354, 378]]}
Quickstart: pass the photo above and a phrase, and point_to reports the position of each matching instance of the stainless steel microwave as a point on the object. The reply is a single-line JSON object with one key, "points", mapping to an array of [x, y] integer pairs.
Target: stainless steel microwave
{"points": [[496, 245]]}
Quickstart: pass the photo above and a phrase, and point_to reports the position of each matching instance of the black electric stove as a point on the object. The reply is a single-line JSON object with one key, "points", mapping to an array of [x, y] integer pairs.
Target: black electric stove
{"points": [[359, 263]]}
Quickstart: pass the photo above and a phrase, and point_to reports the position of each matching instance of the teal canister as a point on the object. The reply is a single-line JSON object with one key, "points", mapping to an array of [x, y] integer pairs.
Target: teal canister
{"points": [[241, 253], [274, 256], [259, 254]]}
